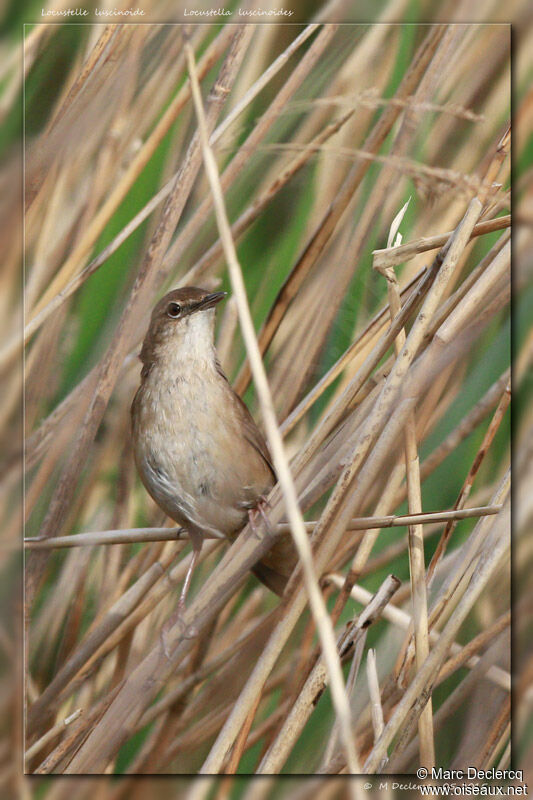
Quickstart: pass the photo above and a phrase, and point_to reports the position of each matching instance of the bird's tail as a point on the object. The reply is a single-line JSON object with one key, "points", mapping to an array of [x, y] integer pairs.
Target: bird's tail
{"points": [[272, 579]]}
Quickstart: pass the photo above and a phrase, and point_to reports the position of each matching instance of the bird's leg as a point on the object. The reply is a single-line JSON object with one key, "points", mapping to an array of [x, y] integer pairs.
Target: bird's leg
{"points": [[189, 632], [260, 508], [188, 578]]}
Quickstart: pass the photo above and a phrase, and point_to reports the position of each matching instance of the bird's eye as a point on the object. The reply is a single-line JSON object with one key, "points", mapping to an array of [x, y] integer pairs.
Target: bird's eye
{"points": [[173, 310]]}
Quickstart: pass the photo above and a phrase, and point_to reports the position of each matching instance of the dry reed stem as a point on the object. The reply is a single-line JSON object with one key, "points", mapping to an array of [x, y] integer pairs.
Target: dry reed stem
{"points": [[455, 583], [369, 98], [469, 282], [387, 397], [73, 738], [230, 767], [453, 703], [292, 610], [252, 212], [152, 758], [399, 254], [281, 464], [100, 634], [245, 556], [467, 484], [469, 423], [265, 77], [404, 621], [324, 314], [328, 223], [375, 698], [154, 597], [360, 645], [315, 684], [295, 603], [367, 542], [421, 173], [498, 732], [494, 279], [101, 218], [51, 734], [200, 675], [145, 535], [196, 272], [137, 165], [241, 159], [473, 550], [480, 641], [415, 532], [140, 688], [369, 475], [372, 329], [418, 691], [336, 410]]}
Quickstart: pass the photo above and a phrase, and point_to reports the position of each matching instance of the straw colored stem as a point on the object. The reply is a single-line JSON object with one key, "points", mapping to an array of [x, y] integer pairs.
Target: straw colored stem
{"points": [[403, 620], [480, 641], [375, 698], [316, 682], [468, 424], [274, 436], [472, 550], [450, 707], [241, 159], [415, 542], [245, 220], [371, 330], [137, 165], [327, 225], [469, 480], [37, 746], [100, 634], [144, 535], [230, 767], [418, 691], [394, 256]]}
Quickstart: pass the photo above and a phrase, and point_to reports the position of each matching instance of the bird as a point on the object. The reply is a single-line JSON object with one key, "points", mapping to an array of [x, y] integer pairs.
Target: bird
{"points": [[197, 449]]}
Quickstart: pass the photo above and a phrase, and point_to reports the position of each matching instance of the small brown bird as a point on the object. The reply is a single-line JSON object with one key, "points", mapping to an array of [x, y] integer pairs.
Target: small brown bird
{"points": [[198, 451]]}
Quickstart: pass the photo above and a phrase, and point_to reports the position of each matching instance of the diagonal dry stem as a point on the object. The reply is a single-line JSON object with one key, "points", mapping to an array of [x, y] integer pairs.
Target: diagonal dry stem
{"points": [[399, 254], [274, 436], [327, 225], [467, 485], [315, 684], [415, 697], [404, 621]]}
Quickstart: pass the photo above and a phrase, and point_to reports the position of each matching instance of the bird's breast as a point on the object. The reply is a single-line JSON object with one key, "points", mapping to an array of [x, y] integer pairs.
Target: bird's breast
{"points": [[190, 453]]}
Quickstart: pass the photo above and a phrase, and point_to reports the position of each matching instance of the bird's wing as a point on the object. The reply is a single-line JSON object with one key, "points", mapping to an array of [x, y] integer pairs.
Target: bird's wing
{"points": [[251, 432], [255, 437]]}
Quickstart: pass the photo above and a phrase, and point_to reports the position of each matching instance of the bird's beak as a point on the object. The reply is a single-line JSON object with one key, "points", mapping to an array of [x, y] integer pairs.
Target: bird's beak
{"points": [[210, 300]]}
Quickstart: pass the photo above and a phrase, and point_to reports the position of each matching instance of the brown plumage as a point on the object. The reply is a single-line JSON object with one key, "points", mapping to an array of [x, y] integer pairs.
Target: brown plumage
{"points": [[198, 451]]}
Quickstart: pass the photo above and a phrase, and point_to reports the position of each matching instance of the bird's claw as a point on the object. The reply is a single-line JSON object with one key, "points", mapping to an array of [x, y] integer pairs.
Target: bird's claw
{"points": [[260, 507], [187, 631]]}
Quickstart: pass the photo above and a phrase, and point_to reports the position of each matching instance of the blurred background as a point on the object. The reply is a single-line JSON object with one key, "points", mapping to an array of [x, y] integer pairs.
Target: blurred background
{"points": [[106, 122]]}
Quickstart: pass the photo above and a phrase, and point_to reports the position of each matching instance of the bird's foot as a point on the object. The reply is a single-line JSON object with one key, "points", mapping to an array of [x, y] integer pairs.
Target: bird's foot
{"points": [[260, 510], [186, 631]]}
